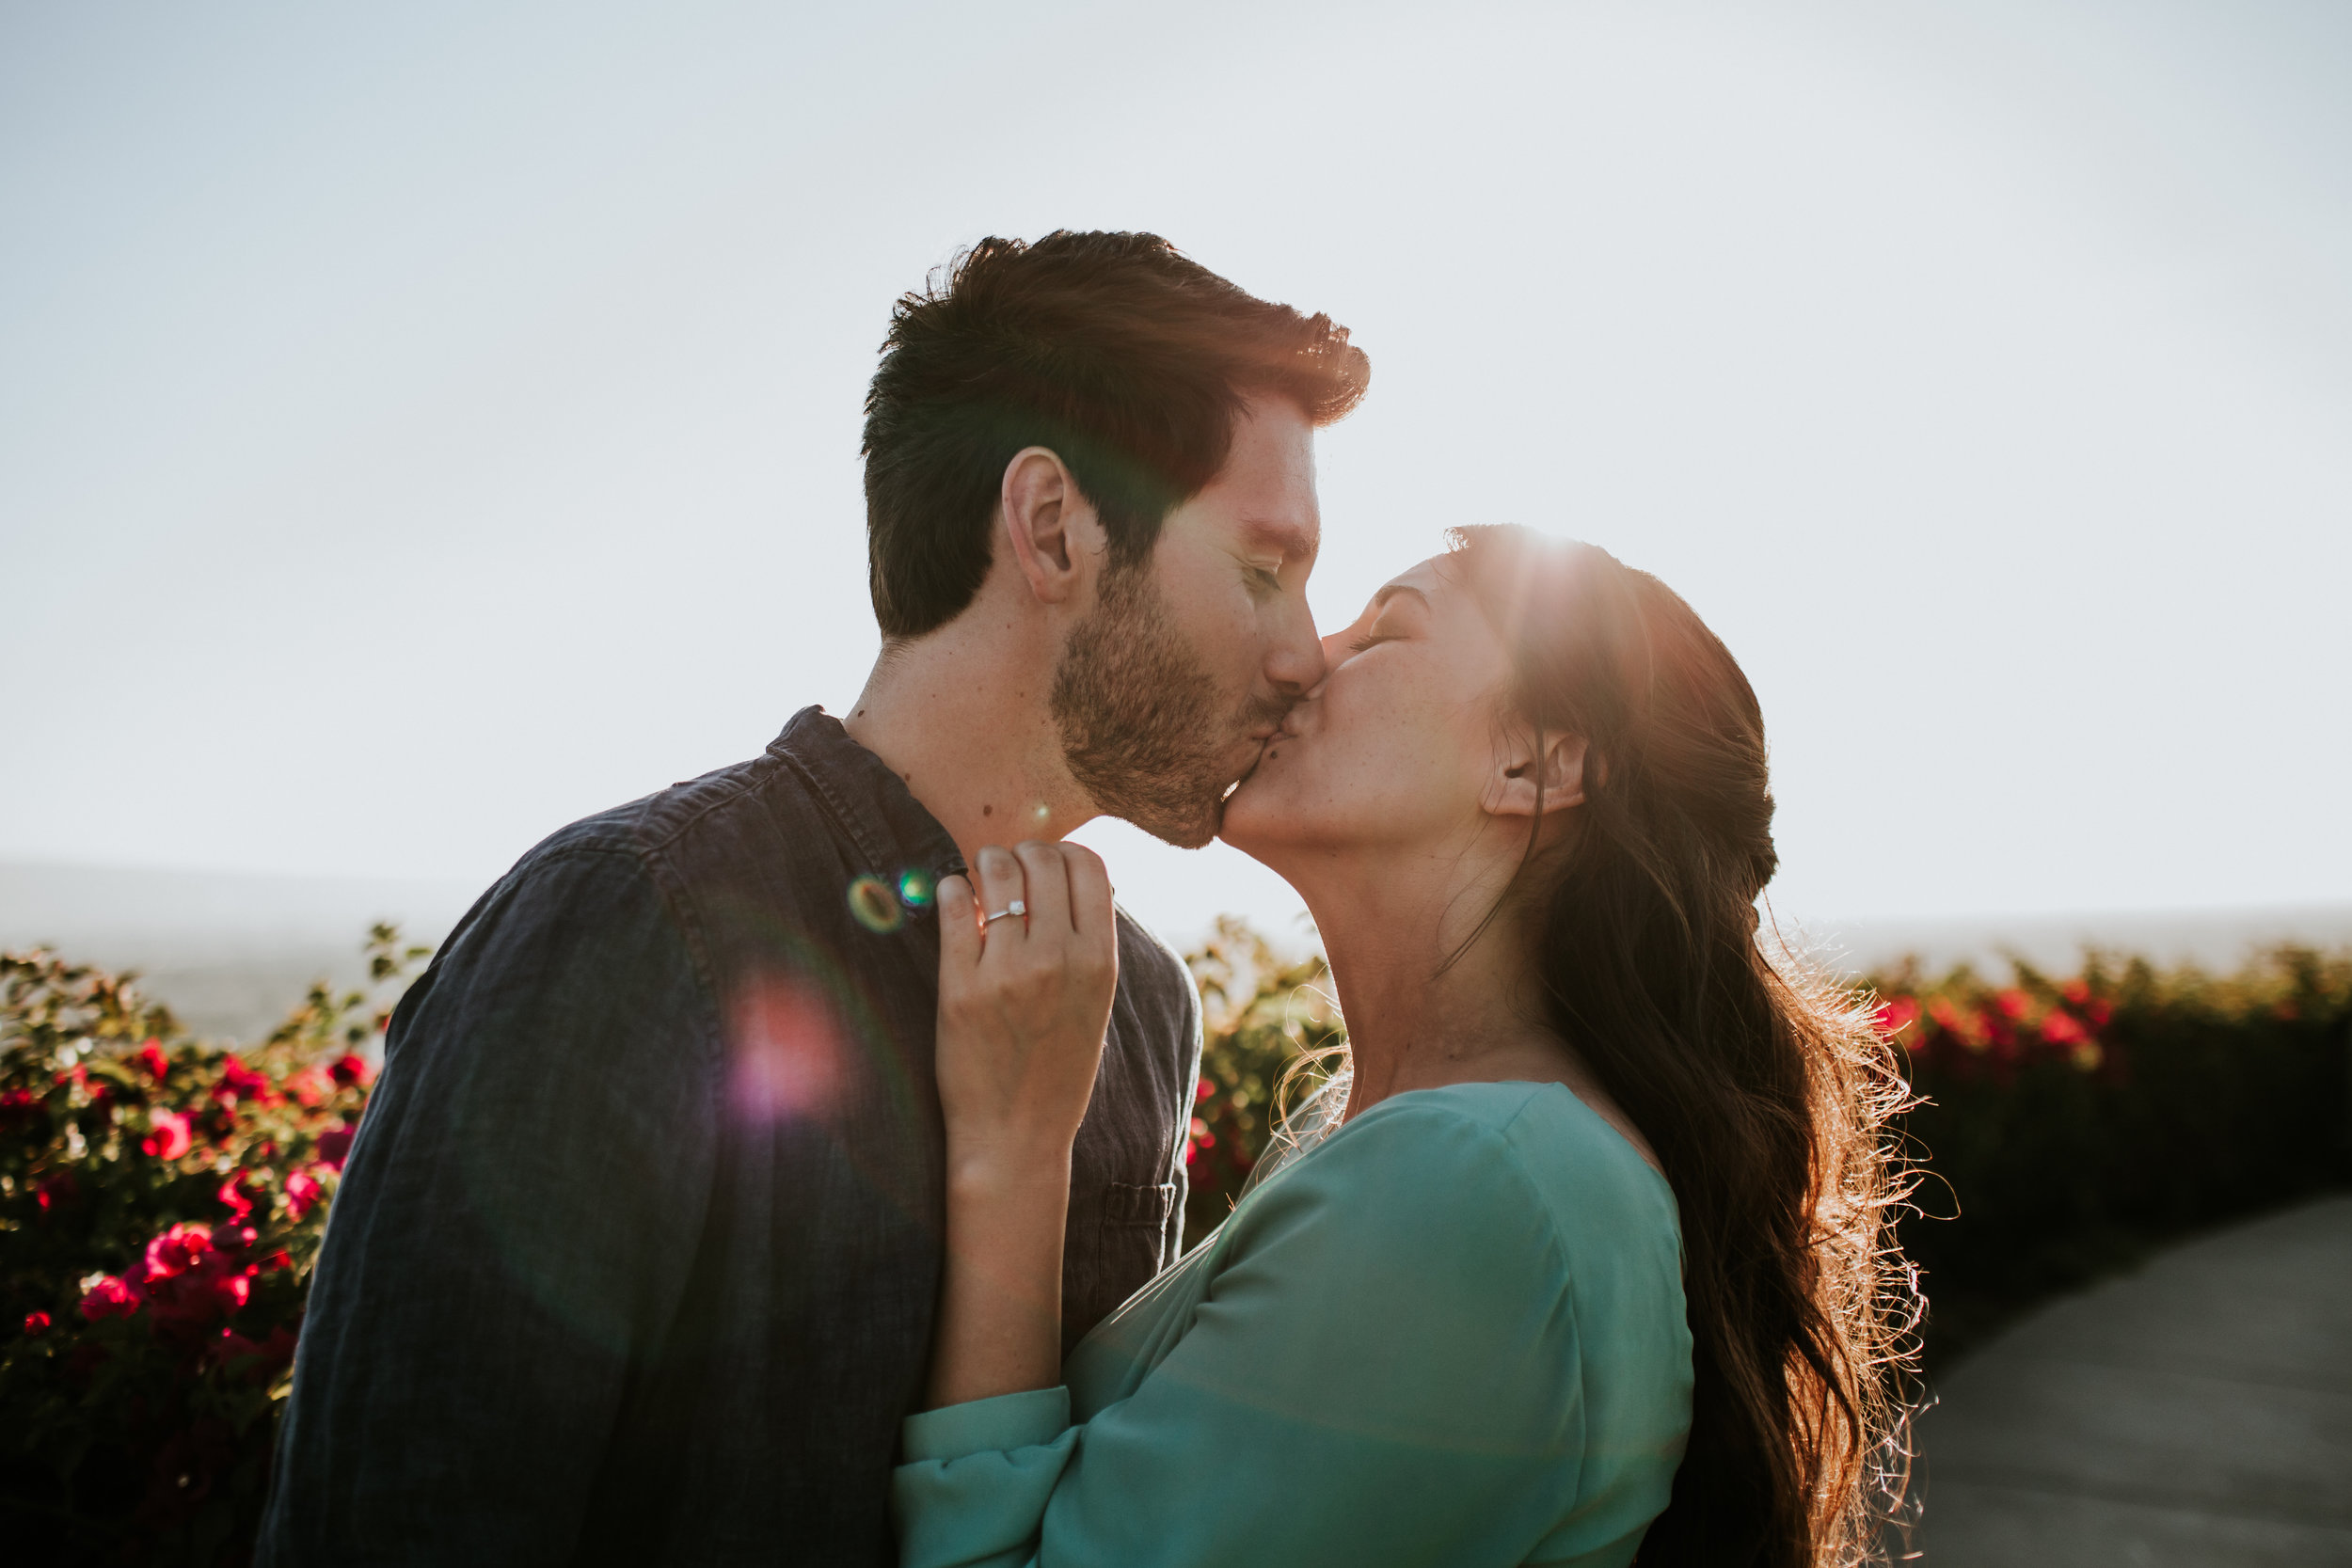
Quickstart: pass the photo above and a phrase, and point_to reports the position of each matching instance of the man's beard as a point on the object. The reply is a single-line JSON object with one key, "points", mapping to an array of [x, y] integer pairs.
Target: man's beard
{"points": [[1141, 726]]}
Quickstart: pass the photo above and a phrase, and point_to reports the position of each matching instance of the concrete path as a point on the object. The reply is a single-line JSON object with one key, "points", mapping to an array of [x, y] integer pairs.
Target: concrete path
{"points": [[2197, 1413]]}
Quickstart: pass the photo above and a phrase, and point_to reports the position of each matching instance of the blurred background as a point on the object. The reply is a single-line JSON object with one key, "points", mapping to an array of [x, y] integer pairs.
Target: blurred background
{"points": [[421, 426]]}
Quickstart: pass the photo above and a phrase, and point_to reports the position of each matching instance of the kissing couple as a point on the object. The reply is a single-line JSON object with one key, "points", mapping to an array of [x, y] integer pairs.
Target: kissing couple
{"points": [[788, 1167]]}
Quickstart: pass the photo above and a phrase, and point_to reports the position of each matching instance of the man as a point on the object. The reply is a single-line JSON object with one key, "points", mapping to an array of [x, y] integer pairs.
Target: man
{"points": [[636, 1256]]}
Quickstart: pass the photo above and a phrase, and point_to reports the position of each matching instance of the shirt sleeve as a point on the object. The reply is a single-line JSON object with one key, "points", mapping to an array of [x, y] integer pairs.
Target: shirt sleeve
{"points": [[1384, 1371], [512, 1235]]}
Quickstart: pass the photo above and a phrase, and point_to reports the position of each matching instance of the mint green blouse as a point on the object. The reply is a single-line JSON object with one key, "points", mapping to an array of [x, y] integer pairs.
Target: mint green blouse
{"points": [[1451, 1332]]}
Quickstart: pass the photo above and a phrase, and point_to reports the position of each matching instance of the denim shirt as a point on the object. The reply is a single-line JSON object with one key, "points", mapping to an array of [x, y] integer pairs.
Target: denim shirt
{"points": [[636, 1255]]}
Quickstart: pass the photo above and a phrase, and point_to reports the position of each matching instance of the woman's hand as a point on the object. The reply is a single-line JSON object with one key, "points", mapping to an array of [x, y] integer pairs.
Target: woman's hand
{"points": [[1024, 1001]]}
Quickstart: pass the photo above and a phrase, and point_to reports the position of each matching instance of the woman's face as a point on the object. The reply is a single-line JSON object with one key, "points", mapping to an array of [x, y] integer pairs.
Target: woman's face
{"points": [[1397, 747]]}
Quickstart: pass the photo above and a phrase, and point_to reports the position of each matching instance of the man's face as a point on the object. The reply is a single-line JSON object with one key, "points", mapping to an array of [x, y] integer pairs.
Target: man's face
{"points": [[1169, 689]]}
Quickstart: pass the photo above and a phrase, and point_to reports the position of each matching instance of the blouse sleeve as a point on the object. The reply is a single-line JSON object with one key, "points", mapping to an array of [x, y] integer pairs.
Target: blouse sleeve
{"points": [[1384, 1371]]}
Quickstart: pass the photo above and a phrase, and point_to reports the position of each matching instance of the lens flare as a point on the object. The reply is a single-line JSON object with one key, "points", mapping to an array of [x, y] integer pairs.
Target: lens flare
{"points": [[917, 888], [785, 1050], [876, 906]]}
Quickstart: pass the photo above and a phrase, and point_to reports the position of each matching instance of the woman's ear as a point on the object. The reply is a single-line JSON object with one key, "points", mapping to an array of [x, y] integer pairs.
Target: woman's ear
{"points": [[1557, 762]]}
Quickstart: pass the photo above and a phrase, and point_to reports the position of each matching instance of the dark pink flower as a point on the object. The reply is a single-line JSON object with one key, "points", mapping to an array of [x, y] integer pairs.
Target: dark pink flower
{"points": [[234, 1196], [171, 1136], [109, 1298], [57, 1188], [176, 1251], [151, 1057], [335, 1146], [20, 1108], [240, 1082], [302, 1190], [352, 1069], [2061, 1028]]}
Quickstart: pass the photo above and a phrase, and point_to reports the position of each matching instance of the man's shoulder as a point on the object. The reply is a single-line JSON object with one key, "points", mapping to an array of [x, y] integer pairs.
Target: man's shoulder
{"points": [[1149, 970], [677, 824]]}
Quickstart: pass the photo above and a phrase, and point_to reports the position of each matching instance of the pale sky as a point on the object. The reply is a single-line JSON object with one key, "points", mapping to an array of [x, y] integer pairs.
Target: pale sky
{"points": [[422, 426]]}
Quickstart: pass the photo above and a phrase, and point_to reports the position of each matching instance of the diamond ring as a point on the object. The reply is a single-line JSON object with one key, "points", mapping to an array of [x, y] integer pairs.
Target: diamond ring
{"points": [[1016, 907]]}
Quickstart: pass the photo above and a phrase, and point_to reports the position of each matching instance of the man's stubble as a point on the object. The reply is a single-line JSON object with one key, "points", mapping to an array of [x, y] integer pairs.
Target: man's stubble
{"points": [[1141, 726]]}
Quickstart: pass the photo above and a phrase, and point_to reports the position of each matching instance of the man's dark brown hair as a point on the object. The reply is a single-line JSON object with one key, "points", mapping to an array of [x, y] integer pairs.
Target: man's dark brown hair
{"points": [[1127, 359]]}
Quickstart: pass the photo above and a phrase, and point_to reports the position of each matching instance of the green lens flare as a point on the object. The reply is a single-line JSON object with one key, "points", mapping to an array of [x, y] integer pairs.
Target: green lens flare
{"points": [[917, 888], [871, 902]]}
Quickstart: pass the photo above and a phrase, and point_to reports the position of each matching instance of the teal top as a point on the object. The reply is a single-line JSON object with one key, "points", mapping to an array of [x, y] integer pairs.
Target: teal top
{"points": [[1451, 1332]]}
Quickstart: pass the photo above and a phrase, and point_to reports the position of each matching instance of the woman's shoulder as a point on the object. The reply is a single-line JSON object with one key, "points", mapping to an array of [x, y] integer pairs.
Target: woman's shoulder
{"points": [[1545, 1125], [1486, 1155]]}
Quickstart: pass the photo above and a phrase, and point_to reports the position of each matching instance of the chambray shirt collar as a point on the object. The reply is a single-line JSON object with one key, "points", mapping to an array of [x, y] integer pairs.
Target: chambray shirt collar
{"points": [[889, 826]]}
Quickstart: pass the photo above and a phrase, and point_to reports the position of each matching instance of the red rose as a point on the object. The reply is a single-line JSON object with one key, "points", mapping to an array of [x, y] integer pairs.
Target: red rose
{"points": [[310, 1085], [36, 1323], [109, 1298], [302, 1190], [1895, 1017], [151, 1057], [57, 1188], [335, 1146], [2061, 1029], [352, 1069], [174, 1252], [171, 1137], [234, 1196], [240, 1082]]}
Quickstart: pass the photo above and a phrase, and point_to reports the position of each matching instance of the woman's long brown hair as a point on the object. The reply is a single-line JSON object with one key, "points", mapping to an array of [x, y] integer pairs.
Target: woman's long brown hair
{"points": [[1764, 1093]]}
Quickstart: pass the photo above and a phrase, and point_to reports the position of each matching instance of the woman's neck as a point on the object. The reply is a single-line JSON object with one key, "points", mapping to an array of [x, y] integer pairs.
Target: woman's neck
{"points": [[1388, 938]]}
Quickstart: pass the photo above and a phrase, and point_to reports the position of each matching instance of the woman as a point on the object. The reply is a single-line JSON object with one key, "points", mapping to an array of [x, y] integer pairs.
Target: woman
{"points": [[1591, 1257]]}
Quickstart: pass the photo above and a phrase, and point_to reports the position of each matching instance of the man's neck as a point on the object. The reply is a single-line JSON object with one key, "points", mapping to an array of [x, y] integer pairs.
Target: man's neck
{"points": [[962, 716]]}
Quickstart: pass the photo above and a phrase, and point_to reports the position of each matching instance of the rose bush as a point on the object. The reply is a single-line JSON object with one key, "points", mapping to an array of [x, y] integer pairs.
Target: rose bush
{"points": [[161, 1202], [2066, 1126], [1261, 1014]]}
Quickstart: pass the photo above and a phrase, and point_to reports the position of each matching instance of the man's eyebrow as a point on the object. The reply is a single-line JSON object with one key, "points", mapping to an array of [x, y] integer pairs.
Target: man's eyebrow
{"points": [[1295, 541]]}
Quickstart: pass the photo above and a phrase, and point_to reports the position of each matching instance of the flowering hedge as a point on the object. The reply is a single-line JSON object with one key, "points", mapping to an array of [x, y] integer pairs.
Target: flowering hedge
{"points": [[1260, 1012], [161, 1202], [160, 1207], [2066, 1125]]}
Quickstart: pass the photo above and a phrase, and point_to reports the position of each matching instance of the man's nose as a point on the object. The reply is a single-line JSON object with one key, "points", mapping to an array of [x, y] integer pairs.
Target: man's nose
{"points": [[1295, 664]]}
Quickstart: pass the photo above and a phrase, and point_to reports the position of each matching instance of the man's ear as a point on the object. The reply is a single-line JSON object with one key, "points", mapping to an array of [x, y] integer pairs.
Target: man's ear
{"points": [[1056, 537], [1559, 764]]}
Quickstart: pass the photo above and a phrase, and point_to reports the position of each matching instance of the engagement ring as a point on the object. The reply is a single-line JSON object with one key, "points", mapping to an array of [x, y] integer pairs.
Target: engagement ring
{"points": [[1016, 907]]}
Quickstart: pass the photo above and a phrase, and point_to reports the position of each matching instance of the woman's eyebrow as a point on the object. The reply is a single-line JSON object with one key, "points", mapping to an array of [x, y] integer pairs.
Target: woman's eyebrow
{"points": [[1393, 589]]}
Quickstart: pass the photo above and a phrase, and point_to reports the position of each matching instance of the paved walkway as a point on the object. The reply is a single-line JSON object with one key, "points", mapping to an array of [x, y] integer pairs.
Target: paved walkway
{"points": [[2197, 1413]]}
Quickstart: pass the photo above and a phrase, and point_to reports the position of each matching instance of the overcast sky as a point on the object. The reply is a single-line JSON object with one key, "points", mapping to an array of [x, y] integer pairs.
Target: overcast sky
{"points": [[425, 424]]}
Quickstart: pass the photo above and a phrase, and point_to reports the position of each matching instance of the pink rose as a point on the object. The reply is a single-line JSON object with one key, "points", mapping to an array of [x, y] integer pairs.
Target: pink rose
{"points": [[171, 1137], [302, 1190], [109, 1298]]}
